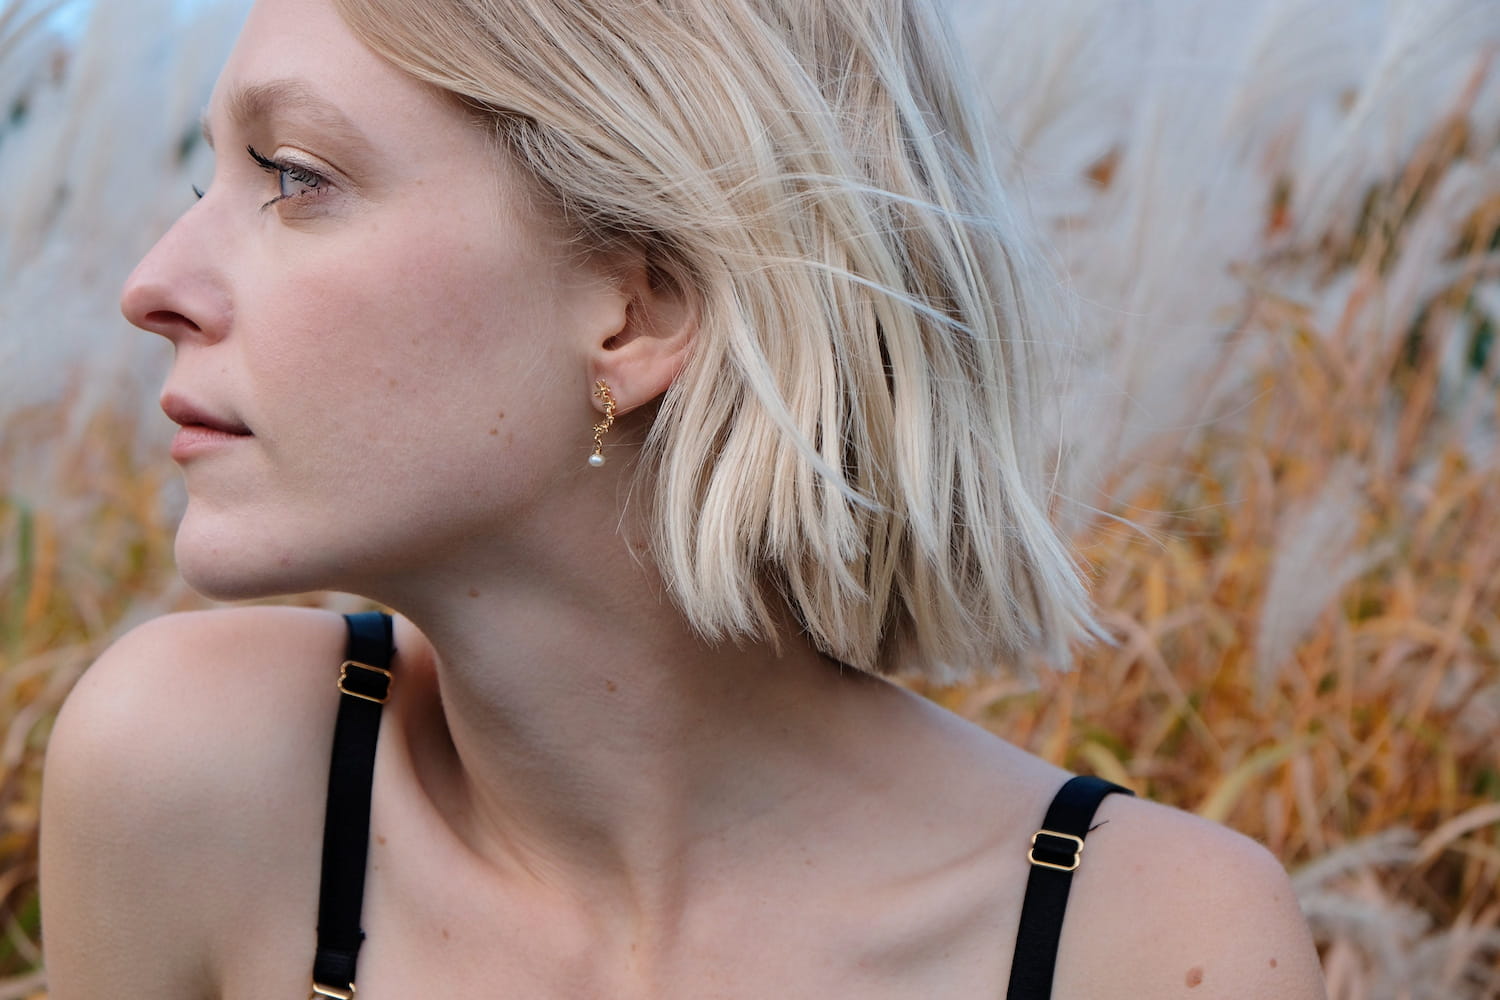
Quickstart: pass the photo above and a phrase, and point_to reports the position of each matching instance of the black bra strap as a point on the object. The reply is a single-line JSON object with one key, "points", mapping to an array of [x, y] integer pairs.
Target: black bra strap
{"points": [[1056, 851], [365, 683]]}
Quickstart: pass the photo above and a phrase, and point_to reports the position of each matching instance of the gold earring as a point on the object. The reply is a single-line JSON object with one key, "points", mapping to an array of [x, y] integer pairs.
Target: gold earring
{"points": [[601, 390]]}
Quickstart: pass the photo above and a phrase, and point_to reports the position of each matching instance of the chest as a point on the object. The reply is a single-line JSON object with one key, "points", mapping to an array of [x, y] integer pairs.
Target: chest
{"points": [[451, 944], [870, 923]]}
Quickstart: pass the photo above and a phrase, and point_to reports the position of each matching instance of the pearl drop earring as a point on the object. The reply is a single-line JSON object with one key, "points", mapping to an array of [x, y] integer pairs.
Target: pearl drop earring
{"points": [[601, 390]]}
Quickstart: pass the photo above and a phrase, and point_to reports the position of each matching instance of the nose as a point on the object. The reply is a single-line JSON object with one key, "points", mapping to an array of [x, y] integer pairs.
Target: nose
{"points": [[179, 289]]}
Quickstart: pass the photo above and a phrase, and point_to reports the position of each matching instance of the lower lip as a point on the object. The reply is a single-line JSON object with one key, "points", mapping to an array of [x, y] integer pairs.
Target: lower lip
{"points": [[198, 440]]}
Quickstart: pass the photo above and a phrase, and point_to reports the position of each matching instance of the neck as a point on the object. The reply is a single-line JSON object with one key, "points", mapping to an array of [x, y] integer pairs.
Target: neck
{"points": [[586, 735]]}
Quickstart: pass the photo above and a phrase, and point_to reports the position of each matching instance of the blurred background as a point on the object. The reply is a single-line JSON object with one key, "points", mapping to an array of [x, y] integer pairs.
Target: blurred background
{"points": [[1279, 222]]}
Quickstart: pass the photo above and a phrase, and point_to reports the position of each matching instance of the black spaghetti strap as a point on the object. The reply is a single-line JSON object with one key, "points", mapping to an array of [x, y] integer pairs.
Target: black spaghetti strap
{"points": [[365, 684], [1056, 851]]}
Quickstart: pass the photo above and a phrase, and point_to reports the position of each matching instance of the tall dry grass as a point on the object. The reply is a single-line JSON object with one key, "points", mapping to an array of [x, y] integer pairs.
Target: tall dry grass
{"points": [[1281, 225]]}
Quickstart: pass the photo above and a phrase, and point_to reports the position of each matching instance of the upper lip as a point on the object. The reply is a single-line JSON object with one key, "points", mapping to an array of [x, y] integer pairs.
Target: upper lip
{"points": [[187, 413]]}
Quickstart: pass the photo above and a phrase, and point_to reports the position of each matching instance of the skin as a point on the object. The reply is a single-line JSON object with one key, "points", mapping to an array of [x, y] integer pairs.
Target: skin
{"points": [[574, 795]]}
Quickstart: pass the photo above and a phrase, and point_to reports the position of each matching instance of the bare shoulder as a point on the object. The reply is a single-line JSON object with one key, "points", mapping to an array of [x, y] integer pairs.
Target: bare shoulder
{"points": [[1170, 905], [180, 697], [177, 760]]}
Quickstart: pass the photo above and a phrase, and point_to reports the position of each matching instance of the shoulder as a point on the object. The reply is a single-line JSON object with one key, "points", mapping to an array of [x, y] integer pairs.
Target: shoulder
{"points": [[177, 760], [178, 659], [180, 698], [1164, 904], [1170, 905]]}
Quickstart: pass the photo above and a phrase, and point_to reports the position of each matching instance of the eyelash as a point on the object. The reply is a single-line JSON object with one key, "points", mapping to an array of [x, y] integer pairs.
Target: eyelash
{"points": [[283, 170]]}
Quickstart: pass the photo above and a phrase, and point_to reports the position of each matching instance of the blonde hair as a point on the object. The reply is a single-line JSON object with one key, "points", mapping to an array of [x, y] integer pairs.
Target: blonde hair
{"points": [[854, 436]]}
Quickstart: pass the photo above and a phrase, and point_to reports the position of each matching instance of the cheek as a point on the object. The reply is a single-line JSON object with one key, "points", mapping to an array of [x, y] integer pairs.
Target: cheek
{"points": [[435, 347], [419, 304]]}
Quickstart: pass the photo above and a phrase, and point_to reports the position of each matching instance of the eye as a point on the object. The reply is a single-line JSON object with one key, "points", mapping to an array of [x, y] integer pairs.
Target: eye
{"points": [[293, 180]]}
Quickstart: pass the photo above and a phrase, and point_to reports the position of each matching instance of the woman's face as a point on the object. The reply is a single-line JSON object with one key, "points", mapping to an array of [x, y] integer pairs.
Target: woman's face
{"points": [[368, 292]]}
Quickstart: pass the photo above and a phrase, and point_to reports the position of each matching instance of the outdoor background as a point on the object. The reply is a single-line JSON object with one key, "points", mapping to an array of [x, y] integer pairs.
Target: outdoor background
{"points": [[1280, 226]]}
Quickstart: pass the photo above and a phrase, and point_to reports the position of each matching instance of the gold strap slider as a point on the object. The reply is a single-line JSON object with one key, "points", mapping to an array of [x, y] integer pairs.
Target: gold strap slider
{"points": [[1077, 849], [385, 694]]}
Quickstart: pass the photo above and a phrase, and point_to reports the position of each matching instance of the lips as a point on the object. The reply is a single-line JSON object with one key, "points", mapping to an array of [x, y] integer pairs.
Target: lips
{"points": [[189, 414]]}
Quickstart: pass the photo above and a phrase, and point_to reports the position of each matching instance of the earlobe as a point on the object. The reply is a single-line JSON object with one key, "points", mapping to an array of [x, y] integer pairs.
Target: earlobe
{"points": [[642, 358]]}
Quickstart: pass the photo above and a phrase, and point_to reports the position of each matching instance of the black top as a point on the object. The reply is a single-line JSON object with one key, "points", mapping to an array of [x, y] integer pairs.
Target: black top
{"points": [[364, 681]]}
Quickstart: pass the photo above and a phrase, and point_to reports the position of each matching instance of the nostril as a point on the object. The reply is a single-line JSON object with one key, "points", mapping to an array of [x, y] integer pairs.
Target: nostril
{"points": [[166, 321]]}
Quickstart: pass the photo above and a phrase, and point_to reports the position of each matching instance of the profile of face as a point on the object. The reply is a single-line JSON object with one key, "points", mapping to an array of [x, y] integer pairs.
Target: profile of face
{"points": [[383, 335]]}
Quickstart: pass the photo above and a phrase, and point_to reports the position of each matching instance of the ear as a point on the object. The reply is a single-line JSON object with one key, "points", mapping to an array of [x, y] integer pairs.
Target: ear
{"points": [[644, 354]]}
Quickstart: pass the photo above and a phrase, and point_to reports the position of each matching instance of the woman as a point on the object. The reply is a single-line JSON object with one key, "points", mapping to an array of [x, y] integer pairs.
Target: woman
{"points": [[666, 365]]}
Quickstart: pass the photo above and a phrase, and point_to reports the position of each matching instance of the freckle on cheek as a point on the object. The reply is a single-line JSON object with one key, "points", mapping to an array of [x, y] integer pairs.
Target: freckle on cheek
{"points": [[1273, 963], [494, 432], [1194, 976], [473, 592]]}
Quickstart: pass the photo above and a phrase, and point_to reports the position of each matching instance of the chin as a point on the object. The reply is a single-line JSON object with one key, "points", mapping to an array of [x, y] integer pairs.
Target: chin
{"points": [[228, 568]]}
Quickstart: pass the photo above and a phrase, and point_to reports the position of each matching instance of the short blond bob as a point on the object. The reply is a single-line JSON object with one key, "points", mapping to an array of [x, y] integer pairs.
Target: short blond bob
{"points": [[854, 439]]}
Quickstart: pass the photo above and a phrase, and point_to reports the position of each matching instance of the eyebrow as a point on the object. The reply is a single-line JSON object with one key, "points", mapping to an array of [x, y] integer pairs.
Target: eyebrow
{"points": [[256, 103]]}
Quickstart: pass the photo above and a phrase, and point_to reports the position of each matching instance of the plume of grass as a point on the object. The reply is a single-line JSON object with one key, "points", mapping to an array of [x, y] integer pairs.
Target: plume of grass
{"points": [[95, 167]]}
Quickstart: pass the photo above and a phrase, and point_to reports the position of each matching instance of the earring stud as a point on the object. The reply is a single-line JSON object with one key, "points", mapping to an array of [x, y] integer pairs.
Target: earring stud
{"points": [[601, 390]]}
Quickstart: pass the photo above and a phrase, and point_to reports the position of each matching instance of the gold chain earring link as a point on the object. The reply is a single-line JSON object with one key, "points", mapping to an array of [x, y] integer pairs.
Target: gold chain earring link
{"points": [[601, 391]]}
